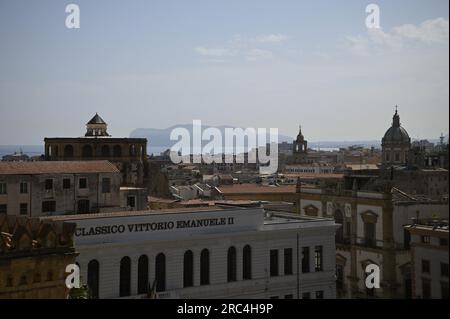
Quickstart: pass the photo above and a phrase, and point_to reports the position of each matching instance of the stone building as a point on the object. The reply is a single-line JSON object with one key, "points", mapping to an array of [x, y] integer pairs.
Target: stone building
{"points": [[371, 232], [33, 257], [396, 144], [429, 251], [61, 187], [128, 154]]}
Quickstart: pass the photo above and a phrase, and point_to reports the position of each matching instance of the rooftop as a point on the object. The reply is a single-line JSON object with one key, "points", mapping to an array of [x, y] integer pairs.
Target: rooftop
{"points": [[56, 167]]}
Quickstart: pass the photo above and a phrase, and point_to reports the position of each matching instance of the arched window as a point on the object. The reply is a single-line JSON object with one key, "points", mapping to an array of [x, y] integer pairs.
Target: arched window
{"points": [[160, 272], [125, 277], [247, 263], [105, 151], [204, 267], [339, 219], [93, 278], [68, 151], [86, 151], [117, 151], [188, 269], [231, 261], [143, 274], [132, 150]]}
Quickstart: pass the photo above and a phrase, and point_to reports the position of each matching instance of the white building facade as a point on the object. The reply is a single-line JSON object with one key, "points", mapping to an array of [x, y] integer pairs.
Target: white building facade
{"points": [[207, 253]]}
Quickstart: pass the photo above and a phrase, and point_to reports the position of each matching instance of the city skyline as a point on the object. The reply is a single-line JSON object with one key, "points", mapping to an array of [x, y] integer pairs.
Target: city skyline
{"points": [[158, 64]]}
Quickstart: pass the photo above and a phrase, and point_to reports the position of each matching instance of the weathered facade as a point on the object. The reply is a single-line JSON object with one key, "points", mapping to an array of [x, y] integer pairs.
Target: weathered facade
{"points": [[430, 264], [128, 154], [371, 232], [53, 188], [33, 258]]}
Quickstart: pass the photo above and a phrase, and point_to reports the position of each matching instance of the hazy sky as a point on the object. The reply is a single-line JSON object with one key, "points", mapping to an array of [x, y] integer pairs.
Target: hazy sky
{"points": [[250, 63]]}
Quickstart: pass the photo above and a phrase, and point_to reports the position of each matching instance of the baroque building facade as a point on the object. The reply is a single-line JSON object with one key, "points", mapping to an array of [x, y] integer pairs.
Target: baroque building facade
{"points": [[371, 230], [33, 258]]}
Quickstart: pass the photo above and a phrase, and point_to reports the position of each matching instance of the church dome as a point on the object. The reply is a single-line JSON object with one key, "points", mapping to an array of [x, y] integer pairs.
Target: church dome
{"points": [[396, 134]]}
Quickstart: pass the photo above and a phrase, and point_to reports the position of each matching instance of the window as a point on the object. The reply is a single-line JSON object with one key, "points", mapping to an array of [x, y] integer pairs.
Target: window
{"points": [[66, 183], [305, 259], [319, 294], [443, 241], [125, 277], [23, 209], [82, 183], [274, 262], [426, 288], [106, 185], [68, 151], [93, 279], [306, 295], [274, 297], [397, 157], [131, 201], [188, 269], [444, 290], [288, 261], [23, 187], [48, 206], [289, 297], [143, 274], [3, 209], [48, 184], [3, 189], [105, 151], [425, 266], [369, 234], [204, 267], [117, 151], [83, 206], [444, 270], [160, 272], [425, 239], [231, 267], [247, 263], [318, 258]]}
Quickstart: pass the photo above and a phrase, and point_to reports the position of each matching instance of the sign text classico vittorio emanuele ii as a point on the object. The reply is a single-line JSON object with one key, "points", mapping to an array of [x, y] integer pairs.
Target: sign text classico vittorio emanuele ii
{"points": [[153, 226]]}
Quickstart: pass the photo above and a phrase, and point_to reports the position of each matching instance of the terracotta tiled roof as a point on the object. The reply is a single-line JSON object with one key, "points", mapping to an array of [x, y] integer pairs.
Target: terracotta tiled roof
{"points": [[57, 167]]}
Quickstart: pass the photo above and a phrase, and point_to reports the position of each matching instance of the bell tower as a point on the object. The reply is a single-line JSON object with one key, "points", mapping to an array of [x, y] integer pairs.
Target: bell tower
{"points": [[96, 127], [300, 148]]}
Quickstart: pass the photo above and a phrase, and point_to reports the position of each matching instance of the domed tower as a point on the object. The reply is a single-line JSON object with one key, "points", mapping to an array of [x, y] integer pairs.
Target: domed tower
{"points": [[395, 144], [300, 148], [96, 127]]}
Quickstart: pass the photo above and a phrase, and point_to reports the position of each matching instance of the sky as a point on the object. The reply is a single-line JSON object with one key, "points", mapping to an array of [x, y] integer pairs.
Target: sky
{"points": [[247, 63]]}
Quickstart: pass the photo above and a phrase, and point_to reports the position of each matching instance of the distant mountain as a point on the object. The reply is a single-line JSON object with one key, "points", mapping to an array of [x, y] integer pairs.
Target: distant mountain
{"points": [[159, 139]]}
